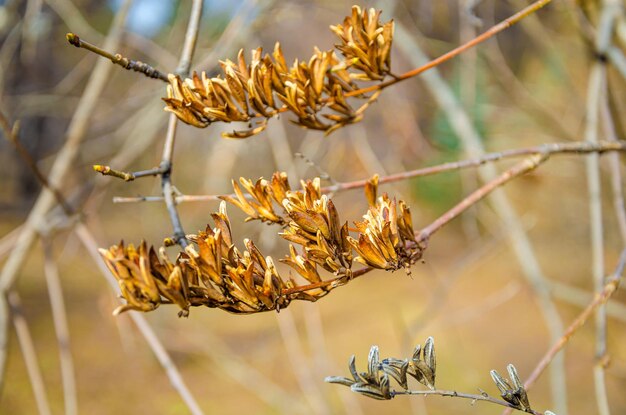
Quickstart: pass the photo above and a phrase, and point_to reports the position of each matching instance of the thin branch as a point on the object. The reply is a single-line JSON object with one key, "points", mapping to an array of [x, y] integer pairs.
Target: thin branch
{"points": [[189, 46], [454, 394], [595, 95], [29, 354], [12, 134], [547, 149], [127, 176], [118, 59], [503, 25], [600, 298], [170, 135], [59, 318], [301, 368], [519, 169]]}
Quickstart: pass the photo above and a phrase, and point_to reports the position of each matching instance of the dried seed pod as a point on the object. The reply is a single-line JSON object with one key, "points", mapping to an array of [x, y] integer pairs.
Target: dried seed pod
{"points": [[267, 86], [505, 388], [519, 390], [339, 379], [369, 390]]}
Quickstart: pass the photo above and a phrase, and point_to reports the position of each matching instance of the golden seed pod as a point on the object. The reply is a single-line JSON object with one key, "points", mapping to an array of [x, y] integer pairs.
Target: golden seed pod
{"points": [[314, 90]]}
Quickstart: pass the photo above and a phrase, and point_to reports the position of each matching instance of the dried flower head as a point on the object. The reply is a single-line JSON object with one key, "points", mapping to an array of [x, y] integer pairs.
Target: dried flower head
{"points": [[213, 272], [386, 236], [267, 86], [375, 382], [515, 395]]}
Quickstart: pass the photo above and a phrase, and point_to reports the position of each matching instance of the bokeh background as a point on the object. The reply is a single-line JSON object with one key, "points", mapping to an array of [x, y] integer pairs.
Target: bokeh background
{"points": [[525, 87]]}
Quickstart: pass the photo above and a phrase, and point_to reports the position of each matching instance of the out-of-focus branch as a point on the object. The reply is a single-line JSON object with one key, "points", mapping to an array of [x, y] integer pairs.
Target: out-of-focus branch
{"points": [[59, 318], [596, 94], [600, 298], [63, 162], [12, 134], [29, 354]]}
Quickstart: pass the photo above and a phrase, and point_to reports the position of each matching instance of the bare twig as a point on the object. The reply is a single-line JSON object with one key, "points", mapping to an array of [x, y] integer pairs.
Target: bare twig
{"points": [[118, 59], [600, 298], [454, 394], [522, 167], [189, 46], [547, 149], [59, 318], [29, 354]]}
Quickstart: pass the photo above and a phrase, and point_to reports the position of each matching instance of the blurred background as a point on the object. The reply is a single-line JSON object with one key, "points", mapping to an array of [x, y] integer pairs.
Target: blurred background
{"points": [[525, 87]]}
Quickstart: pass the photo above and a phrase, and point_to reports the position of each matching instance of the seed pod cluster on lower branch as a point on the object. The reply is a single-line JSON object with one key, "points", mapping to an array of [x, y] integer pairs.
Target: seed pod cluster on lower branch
{"points": [[213, 272]]}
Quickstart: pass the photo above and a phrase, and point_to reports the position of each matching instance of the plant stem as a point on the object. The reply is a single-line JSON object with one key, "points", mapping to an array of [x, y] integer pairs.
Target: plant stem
{"points": [[503, 25], [118, 59]]}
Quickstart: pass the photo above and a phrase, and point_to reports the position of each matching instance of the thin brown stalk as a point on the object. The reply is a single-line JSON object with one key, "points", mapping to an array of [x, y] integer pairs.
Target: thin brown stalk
{"points": [[599, 299], [581, 298], [61, 327], [454, 394], [117, 58], [29, 354], [519, 169], [547, 149]]}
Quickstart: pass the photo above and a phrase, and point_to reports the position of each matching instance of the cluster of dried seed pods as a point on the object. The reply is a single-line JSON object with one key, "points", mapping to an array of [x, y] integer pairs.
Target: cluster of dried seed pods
{"points": [[375, 382], [214, 273], [386, 236], [515, 395], [256, 92]]}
